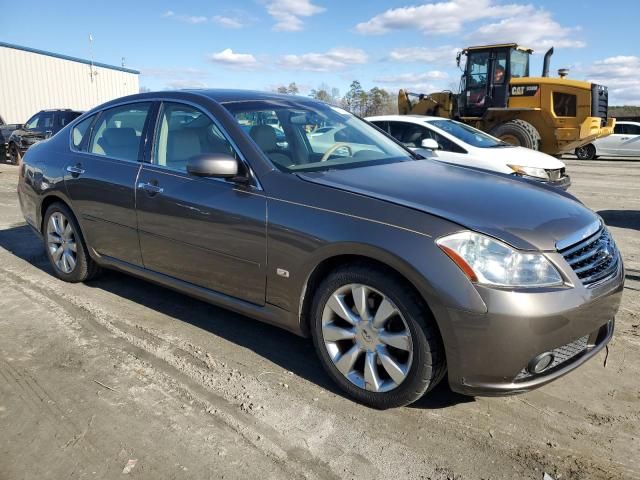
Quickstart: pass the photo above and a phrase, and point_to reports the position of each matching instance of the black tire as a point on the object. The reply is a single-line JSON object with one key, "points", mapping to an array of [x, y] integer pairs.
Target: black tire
{"points": [[85, 268], [15, 157], [518, 132], [586, 152], [428, 365]]}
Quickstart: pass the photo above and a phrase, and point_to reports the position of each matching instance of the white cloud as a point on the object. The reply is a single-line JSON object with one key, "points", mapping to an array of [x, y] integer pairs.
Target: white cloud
{"points": [[183, 84], [168, 13], [620, 75], [444, 55], [439, 18], [334, 59], [413, 78], [537, 30], [522, 23], [236, 60], [287, 13], [228, 22]]}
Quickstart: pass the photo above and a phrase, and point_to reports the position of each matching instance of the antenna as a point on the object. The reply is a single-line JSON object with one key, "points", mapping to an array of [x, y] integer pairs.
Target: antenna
{"points": [[92, 71]]}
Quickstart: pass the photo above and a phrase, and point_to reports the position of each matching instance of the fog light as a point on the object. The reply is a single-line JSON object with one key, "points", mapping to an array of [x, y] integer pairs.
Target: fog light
{"points": [[540, 363]]}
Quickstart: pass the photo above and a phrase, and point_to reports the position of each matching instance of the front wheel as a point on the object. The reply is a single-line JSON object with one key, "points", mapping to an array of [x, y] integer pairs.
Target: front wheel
{"points": [[375, 337], [15, 157], [586, 152]]}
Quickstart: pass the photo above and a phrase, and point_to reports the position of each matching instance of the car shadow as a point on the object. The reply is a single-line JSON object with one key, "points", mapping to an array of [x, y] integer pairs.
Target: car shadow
{"points": [[289, 351], [621, 218]]}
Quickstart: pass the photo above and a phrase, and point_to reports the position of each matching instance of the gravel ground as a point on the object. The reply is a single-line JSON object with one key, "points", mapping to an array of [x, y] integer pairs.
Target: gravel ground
{"points": [[122, 375]]}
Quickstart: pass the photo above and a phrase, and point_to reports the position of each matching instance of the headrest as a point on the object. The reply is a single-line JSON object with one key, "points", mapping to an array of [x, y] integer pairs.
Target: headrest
{"points": [[264, 136]]}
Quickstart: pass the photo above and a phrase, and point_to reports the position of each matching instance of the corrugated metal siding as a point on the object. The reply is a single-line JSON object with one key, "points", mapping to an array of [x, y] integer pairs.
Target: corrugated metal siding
{"points": [[30, 82]]}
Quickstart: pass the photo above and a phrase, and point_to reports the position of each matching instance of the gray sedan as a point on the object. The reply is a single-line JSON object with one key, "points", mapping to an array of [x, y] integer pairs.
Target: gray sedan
{"points": [[399, 269]]}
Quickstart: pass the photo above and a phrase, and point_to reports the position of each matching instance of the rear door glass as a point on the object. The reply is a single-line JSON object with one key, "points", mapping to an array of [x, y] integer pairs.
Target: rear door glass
{"points": [[118, 132]]}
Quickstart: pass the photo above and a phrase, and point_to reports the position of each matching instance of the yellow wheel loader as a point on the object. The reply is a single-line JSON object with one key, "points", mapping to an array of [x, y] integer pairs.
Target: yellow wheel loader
{"points": [[497, 95]]}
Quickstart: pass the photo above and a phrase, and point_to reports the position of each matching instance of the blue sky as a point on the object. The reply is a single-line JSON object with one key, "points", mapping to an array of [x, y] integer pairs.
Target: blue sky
{"points": [[261, 44]]}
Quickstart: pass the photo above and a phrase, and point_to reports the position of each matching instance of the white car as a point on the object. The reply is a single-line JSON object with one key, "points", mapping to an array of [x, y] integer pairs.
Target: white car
{"points": [[624, 142], [454, 142]]}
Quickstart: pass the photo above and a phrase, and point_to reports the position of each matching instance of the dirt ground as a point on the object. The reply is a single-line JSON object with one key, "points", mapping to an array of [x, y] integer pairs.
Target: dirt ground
{"points": [[95, 377]]}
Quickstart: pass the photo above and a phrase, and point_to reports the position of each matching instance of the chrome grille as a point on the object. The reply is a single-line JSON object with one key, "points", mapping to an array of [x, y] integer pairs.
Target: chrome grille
{"points": [[594, 258], [561, 355], [555, 174]]}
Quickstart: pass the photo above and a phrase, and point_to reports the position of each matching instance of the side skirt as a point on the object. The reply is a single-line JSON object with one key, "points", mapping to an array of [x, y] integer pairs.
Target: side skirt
{"points": [[268, 313]]}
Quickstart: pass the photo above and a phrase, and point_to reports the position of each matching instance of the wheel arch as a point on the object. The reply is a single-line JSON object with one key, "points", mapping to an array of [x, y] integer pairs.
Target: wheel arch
{"points": [[370, 256]]}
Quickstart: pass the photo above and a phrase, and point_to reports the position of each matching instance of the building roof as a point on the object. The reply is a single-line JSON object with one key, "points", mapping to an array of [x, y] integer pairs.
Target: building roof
{"points": [[66, 57]]}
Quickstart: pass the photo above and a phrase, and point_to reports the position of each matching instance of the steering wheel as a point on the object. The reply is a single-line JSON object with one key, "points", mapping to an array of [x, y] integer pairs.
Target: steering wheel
{"points": [[335, 147]]}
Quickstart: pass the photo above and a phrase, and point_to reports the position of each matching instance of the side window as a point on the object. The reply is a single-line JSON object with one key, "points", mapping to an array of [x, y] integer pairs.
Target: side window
{"points": [[500, 68], [79, 132], [33, 122], [619, 129], [444, 143], [118, 132], [632, 129], [564, 104], [477, 69], [184, 132], [384, 126], [65, 118], [46, 121]]}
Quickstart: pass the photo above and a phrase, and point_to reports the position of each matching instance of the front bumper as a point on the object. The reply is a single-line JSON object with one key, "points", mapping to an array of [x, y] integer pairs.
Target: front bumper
{"points": [[488, 354]]}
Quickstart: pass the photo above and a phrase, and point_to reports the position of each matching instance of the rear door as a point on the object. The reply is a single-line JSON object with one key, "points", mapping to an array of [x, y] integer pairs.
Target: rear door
{"points": [[205, 231], [630, 140], [101, 177], [610, 145]]}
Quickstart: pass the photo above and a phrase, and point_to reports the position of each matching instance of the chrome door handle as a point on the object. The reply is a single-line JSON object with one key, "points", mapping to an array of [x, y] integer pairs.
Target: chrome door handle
{"points": [[151, 188], [75, 170]]}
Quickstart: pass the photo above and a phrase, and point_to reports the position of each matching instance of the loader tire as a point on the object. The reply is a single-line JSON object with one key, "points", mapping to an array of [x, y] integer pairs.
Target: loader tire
{"points": [[518, 132]]}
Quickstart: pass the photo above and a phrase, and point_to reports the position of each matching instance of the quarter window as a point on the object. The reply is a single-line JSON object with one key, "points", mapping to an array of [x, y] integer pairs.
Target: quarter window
{"points": [[118, 133], [184, 132], [79, 132]]}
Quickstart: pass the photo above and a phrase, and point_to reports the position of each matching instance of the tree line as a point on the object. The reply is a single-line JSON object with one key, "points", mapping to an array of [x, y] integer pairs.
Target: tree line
{"points": [[357, 100]]}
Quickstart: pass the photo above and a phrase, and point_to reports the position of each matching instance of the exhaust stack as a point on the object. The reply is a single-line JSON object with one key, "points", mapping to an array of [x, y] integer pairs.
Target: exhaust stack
{"points": [[547, 60]]}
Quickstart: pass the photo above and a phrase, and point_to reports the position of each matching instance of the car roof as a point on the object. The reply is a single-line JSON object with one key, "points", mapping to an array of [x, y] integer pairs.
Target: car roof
{"points": [[404, 118]]}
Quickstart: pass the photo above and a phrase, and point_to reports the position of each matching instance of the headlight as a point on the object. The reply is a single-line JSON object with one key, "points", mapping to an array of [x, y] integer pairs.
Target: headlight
{"points": [[488, 261], [530, 171]]}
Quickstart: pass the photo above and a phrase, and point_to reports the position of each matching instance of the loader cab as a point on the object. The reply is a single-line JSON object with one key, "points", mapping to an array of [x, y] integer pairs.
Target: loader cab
{"points": [[487, 72]]}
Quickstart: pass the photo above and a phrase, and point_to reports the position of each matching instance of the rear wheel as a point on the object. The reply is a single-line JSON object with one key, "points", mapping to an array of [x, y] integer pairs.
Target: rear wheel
{"points": [[518, 132], [15, 157], [375, 338], [586, 152], [65, 246]]}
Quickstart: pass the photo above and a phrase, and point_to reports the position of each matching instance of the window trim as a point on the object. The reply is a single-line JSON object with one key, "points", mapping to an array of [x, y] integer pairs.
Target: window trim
{"points": [[255, 182]]}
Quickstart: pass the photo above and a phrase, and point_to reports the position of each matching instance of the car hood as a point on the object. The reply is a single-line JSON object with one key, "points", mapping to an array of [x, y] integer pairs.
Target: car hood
{"points": [[524, 157], [523, 214]]}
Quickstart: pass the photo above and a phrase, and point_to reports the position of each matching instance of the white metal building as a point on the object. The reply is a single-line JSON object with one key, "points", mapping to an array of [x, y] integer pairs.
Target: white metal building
{"points": [[32, 80]]}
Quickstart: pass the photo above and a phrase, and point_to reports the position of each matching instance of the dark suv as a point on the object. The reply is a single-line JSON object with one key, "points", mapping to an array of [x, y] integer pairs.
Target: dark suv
{"points": [[42, 125]]}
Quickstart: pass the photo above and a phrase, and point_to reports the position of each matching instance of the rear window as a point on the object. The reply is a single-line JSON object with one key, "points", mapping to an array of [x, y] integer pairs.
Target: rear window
{"points": [[564, 104], [118, 132]]}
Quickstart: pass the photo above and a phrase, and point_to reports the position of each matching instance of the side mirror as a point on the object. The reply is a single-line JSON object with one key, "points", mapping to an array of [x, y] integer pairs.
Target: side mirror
{"points": [[214, 165], [429, 144]]}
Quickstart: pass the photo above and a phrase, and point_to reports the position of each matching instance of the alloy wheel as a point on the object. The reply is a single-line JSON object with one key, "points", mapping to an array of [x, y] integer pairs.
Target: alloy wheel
{"points": [[61, 242], [367, 338]]}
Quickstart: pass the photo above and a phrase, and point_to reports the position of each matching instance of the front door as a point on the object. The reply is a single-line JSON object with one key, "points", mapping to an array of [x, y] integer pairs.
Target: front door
{"points": [[205, 231], [101, 178]]}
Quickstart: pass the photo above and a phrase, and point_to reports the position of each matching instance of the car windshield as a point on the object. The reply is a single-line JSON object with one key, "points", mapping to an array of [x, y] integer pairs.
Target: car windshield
{"points": [[312, 136], [471, 136]]}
